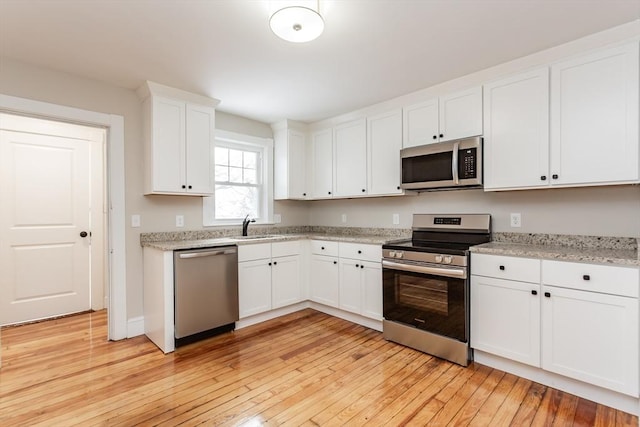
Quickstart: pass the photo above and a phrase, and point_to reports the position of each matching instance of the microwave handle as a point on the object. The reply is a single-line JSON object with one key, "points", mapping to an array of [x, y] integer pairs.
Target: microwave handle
{"points": [[454, 163]]}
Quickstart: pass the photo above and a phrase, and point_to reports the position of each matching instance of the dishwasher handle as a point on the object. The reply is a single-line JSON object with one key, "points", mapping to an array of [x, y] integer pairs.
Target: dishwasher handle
{"points": [[208, 253]]}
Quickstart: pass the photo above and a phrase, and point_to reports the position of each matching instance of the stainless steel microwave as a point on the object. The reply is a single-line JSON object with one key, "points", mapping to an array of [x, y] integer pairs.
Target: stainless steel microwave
{"points": [[443, 165]]}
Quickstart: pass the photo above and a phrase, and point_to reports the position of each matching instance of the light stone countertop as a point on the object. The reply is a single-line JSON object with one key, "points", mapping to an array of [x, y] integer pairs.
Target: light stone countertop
{"points": [[173, 245], [619, 256]]}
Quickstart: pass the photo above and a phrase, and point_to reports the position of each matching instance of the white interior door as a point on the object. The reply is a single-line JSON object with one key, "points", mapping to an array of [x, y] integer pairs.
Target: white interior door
{"points": [[46, 193]]}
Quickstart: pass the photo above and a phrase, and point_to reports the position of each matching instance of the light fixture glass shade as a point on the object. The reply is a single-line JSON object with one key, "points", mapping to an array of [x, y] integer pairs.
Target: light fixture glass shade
{"points": [[297, 24]]}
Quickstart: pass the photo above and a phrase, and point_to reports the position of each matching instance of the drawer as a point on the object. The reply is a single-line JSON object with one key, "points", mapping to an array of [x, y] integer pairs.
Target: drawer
{"points": [[253, 252], [506, 267], [323, 247], [606, 279], [361, 251], [285, 248]]}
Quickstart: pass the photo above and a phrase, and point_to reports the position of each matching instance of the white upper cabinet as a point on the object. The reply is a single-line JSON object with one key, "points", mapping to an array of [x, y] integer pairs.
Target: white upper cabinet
{"points": [[594, 117], [289, 163], [384, 142], [454, 116], [516, 131], [179, 132], [322, 164], [350, 173]]}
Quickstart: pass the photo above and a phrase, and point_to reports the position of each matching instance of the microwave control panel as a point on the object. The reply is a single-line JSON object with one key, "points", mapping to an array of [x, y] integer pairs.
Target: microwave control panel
{"points": [[467, 163]]}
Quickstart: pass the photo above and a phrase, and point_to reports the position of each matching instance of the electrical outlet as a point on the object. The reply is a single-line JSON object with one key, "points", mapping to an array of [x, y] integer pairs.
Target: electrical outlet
{"points": [[396, 219], [516, 220], [344, 218], [135, 220], [277, 218], [179, 220]]}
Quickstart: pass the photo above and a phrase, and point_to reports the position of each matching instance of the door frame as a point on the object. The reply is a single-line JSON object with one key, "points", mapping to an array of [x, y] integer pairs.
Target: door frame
{"points": [[117, 306]]}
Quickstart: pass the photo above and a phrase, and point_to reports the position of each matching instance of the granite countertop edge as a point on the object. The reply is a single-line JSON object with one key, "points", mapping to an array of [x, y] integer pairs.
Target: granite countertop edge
{"points": [[226, 241], [621, 257]]}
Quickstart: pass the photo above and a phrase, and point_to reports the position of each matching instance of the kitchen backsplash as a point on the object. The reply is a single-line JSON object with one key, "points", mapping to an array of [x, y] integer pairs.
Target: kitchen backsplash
{"points": [[587, 242]]}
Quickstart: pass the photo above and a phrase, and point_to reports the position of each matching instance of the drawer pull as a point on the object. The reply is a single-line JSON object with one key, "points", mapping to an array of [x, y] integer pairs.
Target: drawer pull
{"points": [[359, 252], [586, 277], [534, 292], [502, 267], [547, 294], [335, 262]]}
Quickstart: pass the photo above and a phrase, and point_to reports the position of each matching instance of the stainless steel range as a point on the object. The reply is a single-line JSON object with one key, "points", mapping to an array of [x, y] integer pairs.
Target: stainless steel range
{"points": [[426, 284]]}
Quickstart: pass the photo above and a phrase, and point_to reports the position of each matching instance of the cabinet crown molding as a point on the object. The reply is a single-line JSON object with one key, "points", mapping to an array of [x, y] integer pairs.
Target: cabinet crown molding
{"points": [[149, 88]]}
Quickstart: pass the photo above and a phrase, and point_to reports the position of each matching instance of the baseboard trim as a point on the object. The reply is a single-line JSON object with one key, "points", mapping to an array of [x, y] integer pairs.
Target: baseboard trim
{"points": [[345, 315], [272, 314], [135, 327]]}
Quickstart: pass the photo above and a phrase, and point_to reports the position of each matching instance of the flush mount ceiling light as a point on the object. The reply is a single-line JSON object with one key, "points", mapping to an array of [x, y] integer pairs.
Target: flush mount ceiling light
{"points": [[297, 24]]}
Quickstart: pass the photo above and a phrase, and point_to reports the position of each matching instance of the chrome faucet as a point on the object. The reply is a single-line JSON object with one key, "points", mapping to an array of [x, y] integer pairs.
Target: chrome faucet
{"points": [[245, 224]]}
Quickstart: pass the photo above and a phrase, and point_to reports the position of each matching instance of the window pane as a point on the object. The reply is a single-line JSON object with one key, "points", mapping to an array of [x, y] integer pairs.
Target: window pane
{"points": [[235, 175], [250, 159], [221, 156], [236, 202], [235, 158], [250, 176], [222, 173]]}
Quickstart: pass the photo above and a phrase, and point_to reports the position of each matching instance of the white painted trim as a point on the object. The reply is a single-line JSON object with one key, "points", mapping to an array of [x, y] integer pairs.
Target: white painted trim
{"points": [[263, 317], [115, 165], [135, 327], [376, 325], [597, 394]]}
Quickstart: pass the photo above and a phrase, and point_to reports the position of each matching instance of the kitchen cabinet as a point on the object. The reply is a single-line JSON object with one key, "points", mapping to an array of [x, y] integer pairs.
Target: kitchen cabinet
{"points": [[350, 158], [322, 164], [178, 136], [452, 116], [590, 324], [361, 279], [594, 117], [505, 307], [269, 276], [384, 142], [573, 319], [516, 131], [324, 280], [588, 135], [289, 175]]}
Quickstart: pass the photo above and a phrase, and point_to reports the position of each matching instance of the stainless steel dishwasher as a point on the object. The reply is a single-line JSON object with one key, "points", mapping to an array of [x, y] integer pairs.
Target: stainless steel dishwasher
{"points": [[206, 292]]}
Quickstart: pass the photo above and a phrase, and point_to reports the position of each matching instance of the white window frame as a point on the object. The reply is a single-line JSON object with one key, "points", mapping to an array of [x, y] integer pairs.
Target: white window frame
{"points": [[240, 140]]}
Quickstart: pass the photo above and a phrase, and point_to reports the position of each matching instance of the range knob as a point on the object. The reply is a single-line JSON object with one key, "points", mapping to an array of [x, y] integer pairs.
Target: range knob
{"points": [[448, 259], [439, 259], [392, 254], [399, 254]]}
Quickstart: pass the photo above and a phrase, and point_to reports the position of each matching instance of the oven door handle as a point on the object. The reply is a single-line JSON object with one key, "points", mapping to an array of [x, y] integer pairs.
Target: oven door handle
{"points": [[460, 273]]}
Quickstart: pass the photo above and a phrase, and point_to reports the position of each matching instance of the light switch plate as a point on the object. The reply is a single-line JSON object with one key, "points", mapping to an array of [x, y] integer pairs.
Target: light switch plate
{"points": [[135, 220], [344, 218], [179, 220], [396, 219], [516, 220], [277, 218]]}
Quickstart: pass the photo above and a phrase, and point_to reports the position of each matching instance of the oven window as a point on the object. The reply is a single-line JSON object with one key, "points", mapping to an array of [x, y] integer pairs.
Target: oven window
{"points": [[433, 303], [427, 168]]}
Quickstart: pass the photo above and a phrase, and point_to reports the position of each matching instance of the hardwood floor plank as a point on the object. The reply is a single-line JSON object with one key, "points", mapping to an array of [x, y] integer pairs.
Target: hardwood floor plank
{"points": [[306, 368]]}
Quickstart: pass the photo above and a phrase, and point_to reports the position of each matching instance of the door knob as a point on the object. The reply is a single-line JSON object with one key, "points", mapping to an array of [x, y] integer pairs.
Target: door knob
{"points": [[83, 234]]}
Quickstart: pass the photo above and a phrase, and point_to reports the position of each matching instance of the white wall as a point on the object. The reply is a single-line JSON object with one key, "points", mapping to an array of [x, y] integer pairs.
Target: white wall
{"points": [[601, 211]]}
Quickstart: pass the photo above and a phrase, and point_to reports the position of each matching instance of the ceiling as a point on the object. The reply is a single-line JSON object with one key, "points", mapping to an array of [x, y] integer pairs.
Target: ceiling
{"points": [[370, 51]]}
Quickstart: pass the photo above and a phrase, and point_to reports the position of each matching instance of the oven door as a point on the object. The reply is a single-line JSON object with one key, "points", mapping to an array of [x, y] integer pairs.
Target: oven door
{"points": [[428, 297]]}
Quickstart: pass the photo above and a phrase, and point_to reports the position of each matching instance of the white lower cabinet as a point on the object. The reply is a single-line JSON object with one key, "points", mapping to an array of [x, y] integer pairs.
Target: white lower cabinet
{"points": [[324, 274], [269, 276], [361, 279], [573, 319]]}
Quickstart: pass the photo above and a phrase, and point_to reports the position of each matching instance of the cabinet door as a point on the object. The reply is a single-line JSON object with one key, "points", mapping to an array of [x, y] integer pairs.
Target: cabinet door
{"points": [[516, 131], [254, 287], [591, 337], [420, 124], [505, 318], [372, 290], [594, 117], [384, 142], [200, 128], [297, 165], [350, 285], [322, 164], [285, 281], [324, 280], [350, 175], [167, 146], [461, 114]]}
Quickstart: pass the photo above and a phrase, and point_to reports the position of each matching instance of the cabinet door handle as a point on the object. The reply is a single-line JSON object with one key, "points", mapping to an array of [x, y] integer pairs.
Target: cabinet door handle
{"points": [[357, 265], [435, 136], [329, 192], [304, 194], [534, 292], [363, 190], [184, 186], [362, 266], [190, 187], [322, 248], [275, 262], [398, 187], [359, 252], [543, 178], [586, 277], [547, 294], [501, 267], [554, 176], [441, 136], [269, 263], [335, 262]]}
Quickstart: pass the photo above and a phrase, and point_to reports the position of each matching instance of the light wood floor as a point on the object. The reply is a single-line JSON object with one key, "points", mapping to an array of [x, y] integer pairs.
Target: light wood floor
{"points": [[303, 369]]}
